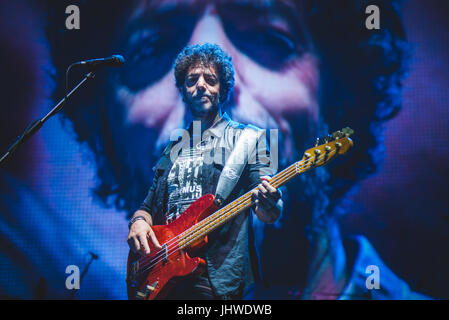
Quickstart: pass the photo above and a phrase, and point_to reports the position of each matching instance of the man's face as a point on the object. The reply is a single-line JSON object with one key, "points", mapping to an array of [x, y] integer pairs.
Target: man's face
{"points": [[276, 74], [202, 90]]}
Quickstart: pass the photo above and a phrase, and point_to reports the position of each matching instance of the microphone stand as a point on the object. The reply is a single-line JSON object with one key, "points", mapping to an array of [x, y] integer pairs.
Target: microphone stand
{"points": [[93, 257], [37, 124]]}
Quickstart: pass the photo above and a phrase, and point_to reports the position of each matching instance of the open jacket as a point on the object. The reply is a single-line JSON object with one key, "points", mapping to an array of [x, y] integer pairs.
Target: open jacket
{"points": [[231, 257]]}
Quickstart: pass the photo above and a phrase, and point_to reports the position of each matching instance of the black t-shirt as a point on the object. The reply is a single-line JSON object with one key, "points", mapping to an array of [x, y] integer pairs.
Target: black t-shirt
{"points": [[185, 181]]}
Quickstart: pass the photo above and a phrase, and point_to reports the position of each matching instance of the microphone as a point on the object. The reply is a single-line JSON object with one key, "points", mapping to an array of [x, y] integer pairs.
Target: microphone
{"points": [[114, 61], [94, 256]]}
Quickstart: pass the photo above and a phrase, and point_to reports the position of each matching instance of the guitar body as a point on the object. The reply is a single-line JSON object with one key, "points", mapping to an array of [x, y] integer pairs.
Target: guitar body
{"points": [[152, 277]]}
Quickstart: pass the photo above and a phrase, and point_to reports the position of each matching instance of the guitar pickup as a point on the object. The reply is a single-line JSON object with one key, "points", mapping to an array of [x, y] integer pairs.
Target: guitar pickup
{"points": [[134, 270], [164, 254]]}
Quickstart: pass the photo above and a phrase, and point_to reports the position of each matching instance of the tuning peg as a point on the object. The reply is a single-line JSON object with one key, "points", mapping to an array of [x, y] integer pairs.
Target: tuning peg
{"points": [[338, 134], [347, 131], [317, 142], [328, 138]]}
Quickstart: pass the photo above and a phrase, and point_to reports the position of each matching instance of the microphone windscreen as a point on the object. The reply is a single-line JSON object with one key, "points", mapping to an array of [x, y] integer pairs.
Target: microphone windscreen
{"points": [[119, 59]]}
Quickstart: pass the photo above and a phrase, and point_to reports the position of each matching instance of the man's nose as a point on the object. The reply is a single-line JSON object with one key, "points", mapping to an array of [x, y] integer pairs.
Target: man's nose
{"points": [[209, 28], [201, 85]]}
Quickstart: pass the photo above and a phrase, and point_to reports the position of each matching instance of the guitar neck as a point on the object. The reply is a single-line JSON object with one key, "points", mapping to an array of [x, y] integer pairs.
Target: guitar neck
{"points": [[245, 201]]}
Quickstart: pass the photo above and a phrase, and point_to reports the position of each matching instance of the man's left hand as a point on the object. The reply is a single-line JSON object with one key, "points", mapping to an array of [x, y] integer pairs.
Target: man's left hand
{"points": [[266, 198]]}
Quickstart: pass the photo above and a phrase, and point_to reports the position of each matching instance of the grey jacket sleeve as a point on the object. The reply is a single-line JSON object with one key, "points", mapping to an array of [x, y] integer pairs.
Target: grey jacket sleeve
{"points": [[147, 203]]}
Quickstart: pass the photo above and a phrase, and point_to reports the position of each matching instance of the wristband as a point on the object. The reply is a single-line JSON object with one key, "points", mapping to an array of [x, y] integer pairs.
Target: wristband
{"points": [[134, 220]]}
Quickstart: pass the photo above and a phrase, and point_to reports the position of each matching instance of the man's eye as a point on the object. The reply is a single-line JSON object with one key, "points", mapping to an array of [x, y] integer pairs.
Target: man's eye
{"points": [[152, 45], [190, 81], [143, 52], [147, 61], [211, 80], [268, 47]]}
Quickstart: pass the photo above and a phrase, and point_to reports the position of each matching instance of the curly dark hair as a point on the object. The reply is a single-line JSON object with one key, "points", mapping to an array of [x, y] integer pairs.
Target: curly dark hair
{"points": [[207, 54], [361, 74], [361, 82]]}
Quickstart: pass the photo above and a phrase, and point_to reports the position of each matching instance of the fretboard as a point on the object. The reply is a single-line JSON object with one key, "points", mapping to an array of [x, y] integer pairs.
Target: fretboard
{"points": [[223, 215]]}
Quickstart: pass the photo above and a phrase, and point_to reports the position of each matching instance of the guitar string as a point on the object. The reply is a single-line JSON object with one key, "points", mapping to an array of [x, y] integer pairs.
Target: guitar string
{"points": [[238, 205], [282, 176], [174, 249], [285, 173], [217, 215], [198, 227]]}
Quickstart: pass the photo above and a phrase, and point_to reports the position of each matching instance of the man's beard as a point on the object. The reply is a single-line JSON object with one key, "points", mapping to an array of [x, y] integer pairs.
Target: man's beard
{"points": [[195, 106]]}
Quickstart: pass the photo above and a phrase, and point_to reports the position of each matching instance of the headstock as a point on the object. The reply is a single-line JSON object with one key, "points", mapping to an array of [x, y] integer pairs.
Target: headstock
{"points": [[335, 144]]}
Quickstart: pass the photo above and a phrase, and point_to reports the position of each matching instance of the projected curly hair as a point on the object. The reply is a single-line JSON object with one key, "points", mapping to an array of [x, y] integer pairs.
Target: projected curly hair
{"points": [[361, 81], [360, 72], [207, 54]]}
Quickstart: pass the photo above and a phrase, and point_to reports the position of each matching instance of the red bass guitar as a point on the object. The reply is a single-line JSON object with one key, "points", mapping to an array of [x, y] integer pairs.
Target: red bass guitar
{"points": [[151, 277]]}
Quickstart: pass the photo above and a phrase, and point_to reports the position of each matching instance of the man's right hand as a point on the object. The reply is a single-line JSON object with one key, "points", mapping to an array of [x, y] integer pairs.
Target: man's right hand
{"points": [[139, 234]]}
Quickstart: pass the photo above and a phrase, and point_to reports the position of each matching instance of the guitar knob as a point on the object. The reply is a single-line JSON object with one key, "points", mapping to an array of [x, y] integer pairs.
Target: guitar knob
{"points": [[141, 295], [144, 294], [152, 287]]}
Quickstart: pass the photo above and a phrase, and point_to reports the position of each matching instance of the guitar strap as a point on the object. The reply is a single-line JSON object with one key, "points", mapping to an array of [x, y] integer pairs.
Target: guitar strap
{"points": [[243, 151]]}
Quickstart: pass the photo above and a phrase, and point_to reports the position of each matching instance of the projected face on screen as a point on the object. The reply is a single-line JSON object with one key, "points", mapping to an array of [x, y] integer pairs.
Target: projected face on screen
{"points": [[276, 76]]}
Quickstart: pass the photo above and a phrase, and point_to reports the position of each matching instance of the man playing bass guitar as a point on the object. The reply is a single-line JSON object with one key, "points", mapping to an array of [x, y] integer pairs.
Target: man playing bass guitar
{"points": [[204, 75]]}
